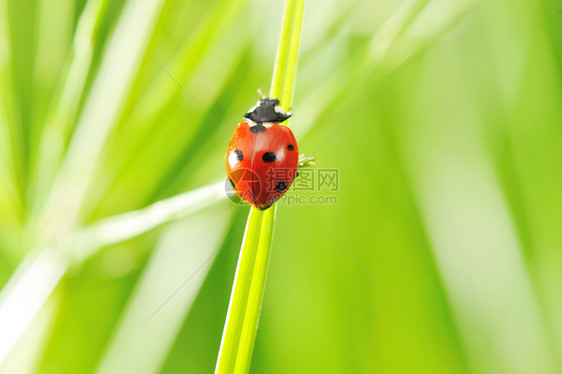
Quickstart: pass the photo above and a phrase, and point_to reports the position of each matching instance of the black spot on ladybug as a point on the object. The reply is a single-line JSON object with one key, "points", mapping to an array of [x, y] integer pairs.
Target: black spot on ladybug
{"points": [[290, 147], [269, 157], [280, 186], [257, 128], [239, 155]]}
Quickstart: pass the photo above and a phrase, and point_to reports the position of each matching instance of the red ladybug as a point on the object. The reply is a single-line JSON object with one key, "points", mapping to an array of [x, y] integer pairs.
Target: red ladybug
{"points": [[262, 157]]}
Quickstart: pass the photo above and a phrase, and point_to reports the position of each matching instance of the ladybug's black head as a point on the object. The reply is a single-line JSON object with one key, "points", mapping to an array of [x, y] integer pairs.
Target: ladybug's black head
{"points": [[267, 110]]}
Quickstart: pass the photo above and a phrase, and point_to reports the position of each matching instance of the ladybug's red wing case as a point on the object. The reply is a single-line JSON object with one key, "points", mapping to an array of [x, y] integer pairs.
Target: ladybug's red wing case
{"points": [[261, 162]]}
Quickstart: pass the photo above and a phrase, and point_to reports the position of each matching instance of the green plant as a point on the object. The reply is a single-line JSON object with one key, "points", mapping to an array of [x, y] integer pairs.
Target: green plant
{"points": [[118, 250], [247, 291]]}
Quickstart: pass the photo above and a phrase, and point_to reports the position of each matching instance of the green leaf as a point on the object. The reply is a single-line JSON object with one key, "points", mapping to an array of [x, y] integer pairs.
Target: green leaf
{"points": [[247, 293]]}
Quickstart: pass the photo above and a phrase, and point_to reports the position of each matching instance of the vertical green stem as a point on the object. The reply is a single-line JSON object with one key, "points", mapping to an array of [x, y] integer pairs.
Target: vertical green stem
{"points": [[241, 324], [285, 70]]}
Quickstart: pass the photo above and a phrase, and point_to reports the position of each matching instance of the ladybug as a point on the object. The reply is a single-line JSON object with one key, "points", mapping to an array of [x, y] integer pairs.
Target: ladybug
{"points": [[262, 157]]}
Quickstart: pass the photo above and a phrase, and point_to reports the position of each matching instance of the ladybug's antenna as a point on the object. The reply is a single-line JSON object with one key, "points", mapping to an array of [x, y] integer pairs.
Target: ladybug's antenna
{"points": [[261, 93]]}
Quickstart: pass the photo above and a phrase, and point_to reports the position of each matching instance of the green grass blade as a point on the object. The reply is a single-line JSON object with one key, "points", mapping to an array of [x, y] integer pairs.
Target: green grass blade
{"points": [[239, 298], [164, 294], [257, 285], [121, 227], [247, 294], [47, 265], [101, 111], [61, 115], [285, 70], [25, 294], [11, 199]]}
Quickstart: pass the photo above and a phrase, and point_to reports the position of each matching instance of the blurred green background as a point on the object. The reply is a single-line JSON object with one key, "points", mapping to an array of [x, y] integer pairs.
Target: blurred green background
{"points": [[442, 254]]}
